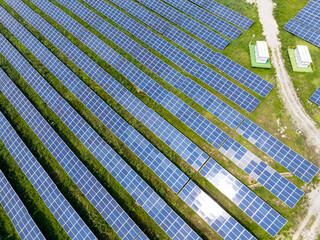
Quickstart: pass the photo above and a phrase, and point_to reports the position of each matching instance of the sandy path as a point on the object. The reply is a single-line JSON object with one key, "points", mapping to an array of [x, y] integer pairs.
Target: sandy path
{"points": [[294, 107]]}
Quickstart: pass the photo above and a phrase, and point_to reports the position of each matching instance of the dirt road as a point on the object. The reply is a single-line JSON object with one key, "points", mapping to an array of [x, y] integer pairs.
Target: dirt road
{"points": [[294, 107]]}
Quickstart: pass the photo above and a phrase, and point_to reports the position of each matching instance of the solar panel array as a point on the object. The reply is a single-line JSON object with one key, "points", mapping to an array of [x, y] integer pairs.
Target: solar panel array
{"points": [[176, 140], [243, 197], [213, 214], [316, 97], [187, 23], [164, 216], [225, 13], [52, 197], [307, 23], [15, 209], [88, 184], [264, 174], [205, 17], [162, 69], [238, 72], [165, 169], [298, 165]]}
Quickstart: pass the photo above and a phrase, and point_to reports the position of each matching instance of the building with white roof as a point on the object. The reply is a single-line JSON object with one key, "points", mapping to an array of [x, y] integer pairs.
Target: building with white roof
{"points": [[261, 52], [302, 55]]}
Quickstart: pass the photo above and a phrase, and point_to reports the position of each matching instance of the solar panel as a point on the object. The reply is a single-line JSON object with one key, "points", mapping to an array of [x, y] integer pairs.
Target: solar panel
{"points": [[303, 31], [260, 171], [316, 97], [298, 165], [213, 214], [15, 209], [205, 17], [48, 191], [164, 216], [168, 50], [246, 200], [169, 74], [225, 13], [187, 23], [176, 140], [88, 184], [176, 106], [309, 15]]}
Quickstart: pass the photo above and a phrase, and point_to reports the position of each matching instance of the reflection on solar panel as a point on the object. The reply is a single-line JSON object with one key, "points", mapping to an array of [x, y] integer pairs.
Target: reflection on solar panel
{"points": [[316, 97], [15, 209], [213, 214], [176, 106], [165, 169], [225, 13], [303, 31], [176, 140], [187, 23], [48, 191], [239, 194], [164, 216], [89, 185], [173, 77], [241, 74], [298, 165], [205, 17], [263, 173]]}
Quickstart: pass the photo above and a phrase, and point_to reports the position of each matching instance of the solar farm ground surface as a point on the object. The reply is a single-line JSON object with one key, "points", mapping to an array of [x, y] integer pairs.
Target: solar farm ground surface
{"points": [[266, 116]]}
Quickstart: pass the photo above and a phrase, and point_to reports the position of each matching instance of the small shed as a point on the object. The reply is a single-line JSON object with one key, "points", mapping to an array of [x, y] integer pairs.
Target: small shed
{"points": [[262, 52], [302, 55]]}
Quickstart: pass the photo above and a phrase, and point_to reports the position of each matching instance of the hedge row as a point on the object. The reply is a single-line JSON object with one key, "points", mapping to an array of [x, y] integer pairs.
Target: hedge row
{"points": [[47, 223], [7, 230], [145, 172]]}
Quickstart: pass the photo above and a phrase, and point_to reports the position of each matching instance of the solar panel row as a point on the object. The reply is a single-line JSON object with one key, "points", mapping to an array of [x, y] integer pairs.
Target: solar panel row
{"points": [[264, 174], [52, 197], [176, 140], [309, 15], [303, 31], [93, 190], [225, 13], [173, 77], [21, 219], [165, 169], [316, 97], [298, 165], [238, 72], [176, 106], [164, 216], [205, 17], [199, 124], [187, 23]]}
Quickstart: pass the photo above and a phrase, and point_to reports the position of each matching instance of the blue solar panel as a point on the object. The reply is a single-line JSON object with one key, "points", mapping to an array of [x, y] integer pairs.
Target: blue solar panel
{"points": [[205, 17], [187, 23], [309, 15], [241, 74], [316, 97], [164, 216], [246, 200], [48, 191], [89, 185], [303, 31], [16, 211], [176, 140], [177, 107], [213, 214], [298, 165], [264, 174], [225, 13], [173, 77]]}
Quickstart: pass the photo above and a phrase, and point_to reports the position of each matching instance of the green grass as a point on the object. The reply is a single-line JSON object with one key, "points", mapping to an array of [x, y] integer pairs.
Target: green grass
{"points": [[38, 210], [7, 229]]}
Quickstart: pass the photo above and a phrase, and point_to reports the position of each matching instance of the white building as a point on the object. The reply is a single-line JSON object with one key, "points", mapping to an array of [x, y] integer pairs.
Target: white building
{"points": [[262, 52], [302, 56]]}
